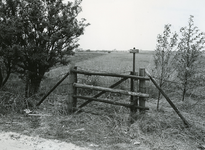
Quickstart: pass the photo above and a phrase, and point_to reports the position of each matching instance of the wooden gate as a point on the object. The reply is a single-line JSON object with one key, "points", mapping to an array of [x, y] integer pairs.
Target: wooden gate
{"points": [[137, 98]]}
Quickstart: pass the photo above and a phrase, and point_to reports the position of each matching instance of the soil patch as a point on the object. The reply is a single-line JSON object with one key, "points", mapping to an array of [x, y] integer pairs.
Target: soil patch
{"points": [[16, 141]]}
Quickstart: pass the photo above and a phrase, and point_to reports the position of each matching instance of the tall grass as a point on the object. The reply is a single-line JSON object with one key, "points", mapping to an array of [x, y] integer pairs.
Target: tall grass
{"points": [[106, 126]]}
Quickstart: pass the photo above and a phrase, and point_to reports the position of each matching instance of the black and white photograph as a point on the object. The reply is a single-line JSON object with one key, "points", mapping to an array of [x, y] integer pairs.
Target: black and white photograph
{"points": [[102, 75]]}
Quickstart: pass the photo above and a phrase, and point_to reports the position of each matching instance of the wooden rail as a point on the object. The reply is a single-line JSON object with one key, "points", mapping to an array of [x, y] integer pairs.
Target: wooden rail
{"points": [[101, 93], [77, 85], [110, 102], [110, 74]]}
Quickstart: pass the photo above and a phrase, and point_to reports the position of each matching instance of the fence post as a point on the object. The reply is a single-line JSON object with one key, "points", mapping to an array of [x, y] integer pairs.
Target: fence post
{"points": [[72, 102], [142, 89], [133, 99]]}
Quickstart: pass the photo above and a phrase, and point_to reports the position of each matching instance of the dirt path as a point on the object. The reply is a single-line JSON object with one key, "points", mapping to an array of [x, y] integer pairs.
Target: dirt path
{"points": [[16, 141]]}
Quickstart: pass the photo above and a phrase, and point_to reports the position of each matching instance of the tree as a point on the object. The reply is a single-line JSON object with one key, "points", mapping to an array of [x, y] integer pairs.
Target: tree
{"points": [[8, 38], [189, 51], [46, 32], [163, 56]]}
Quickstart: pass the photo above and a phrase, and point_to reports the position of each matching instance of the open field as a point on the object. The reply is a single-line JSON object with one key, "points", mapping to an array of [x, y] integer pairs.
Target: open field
{"points": [[106, 127], [117, 62]]}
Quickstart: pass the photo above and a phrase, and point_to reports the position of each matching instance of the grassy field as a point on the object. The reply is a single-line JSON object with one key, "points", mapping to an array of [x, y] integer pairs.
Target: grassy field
{"points": [[106, 127], [118, 62]]}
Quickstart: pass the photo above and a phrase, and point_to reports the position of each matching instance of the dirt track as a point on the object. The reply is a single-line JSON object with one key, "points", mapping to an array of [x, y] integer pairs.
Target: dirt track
{"points": [[16, 141]]}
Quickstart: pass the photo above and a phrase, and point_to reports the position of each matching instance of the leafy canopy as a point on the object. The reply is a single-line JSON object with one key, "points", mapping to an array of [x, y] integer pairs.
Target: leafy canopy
{"points": [[38, 34]]}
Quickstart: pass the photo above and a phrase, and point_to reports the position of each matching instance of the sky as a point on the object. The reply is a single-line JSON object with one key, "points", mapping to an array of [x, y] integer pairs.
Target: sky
{"points": [[124, 24]]}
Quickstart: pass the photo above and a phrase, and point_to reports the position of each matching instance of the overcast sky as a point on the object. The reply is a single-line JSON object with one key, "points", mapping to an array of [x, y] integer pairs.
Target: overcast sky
{"points": [[124, 24]]}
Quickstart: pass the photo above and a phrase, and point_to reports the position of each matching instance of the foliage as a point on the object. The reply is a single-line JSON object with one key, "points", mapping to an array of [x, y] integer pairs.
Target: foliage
{"points": [[37, 35], [163, 56], [189, 51], [8, 37]]}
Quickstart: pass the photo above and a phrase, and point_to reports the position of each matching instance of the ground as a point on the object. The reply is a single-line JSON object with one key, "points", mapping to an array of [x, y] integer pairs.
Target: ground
{"points": [[43, 132], [16, 141]]}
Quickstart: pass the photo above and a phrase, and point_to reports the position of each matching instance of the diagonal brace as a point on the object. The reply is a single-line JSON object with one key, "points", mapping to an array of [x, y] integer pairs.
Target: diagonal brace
{"points": [[101, 93]]}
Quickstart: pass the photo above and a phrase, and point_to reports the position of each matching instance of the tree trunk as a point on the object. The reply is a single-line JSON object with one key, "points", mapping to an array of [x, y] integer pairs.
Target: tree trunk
{"points": [[161, 79], [32, 84], [185, 86], [7, 77], [184, 93], [27, 85], [159, 95], [1, 78]]}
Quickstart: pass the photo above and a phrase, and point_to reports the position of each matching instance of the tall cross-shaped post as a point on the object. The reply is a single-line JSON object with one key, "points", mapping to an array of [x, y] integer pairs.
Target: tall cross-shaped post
{"points": [[133, 99]]}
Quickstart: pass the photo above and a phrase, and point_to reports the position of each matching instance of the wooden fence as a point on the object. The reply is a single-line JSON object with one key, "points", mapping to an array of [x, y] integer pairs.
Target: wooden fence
{"points": [[137, 98]]}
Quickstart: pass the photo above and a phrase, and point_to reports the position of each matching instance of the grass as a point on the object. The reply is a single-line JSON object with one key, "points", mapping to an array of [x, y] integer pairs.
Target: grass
{"points": [[104, 126], [120, 62]]}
